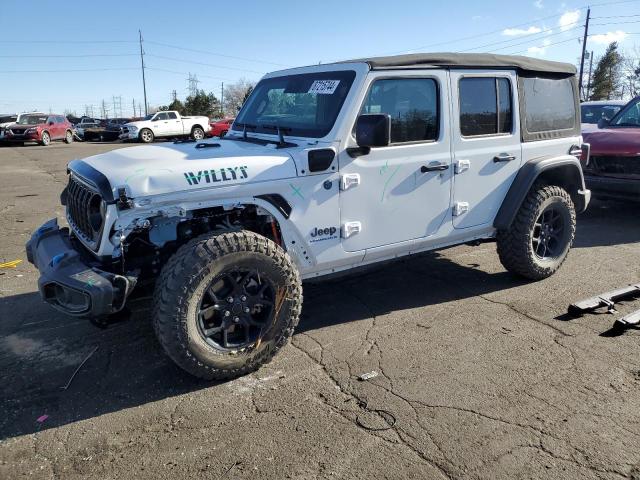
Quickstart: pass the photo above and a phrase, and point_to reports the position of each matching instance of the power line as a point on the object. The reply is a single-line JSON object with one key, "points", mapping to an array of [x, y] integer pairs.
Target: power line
{"points": [[202, 63], [75, 42], [69, 71], [182, 73], [539, 35], [72, 56], [215, 54]]}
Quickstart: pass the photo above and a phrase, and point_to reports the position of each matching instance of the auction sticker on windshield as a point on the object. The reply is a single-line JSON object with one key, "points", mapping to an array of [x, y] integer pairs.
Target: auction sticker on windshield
{"points": [[324, 87]]}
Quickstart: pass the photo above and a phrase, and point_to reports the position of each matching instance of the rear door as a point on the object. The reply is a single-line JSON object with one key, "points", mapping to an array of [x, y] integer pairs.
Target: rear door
{"points": [[175, 124], [486, 143]]}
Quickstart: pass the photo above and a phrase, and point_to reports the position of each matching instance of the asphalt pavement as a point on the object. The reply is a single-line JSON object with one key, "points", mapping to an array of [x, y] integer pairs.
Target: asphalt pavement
{"points": [[480, 374]]}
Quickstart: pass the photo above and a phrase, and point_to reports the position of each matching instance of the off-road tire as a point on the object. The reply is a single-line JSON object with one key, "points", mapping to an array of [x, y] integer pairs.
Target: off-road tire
{"points": [[197, 133], [68, 137], [183, 282], [45, 139], [147, 137], [515, 245]]}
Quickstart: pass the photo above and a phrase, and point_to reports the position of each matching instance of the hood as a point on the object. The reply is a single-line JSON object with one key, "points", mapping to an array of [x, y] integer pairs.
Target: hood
{"points": [[158, 169], [622, 141]]}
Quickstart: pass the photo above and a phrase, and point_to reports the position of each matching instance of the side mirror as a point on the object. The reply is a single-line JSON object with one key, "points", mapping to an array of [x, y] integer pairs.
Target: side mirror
{"points": [[603, 123], [50, 123], [373, 130]]}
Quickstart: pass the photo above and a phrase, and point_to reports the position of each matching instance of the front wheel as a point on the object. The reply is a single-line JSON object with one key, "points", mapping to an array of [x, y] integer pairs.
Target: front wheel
{"points": [[539, 239], [146, 135], [45, 140], [68, 138], [197, 133], [225, 304]]}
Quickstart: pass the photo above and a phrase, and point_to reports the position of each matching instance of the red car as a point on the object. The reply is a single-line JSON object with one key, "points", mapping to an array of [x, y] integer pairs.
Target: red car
{"points": [[613, 170], [219, 128], [39, 128]]}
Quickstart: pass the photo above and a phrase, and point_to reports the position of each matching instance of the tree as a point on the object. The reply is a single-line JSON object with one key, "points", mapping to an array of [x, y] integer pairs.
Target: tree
{"points": [[235, 95], [607, 75], [631, 71], [201, 103]]}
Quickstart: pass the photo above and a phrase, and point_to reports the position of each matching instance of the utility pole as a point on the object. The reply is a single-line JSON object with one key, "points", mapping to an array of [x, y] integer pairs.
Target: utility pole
{"points": [[133, 104], [222, 101], [193, 85], [144, 83], [584, 49], [174, 96], [589, 80]]}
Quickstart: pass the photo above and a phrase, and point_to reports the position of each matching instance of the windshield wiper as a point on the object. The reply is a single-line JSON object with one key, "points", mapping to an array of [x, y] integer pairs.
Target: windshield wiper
{"points": [[282, 142], [244, 128]]}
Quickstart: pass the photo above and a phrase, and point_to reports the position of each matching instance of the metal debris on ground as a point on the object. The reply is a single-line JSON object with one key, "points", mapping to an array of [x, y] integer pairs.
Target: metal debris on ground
{"points": [[12, 264], [367, 376], [607, 299], [629, 320], [78, 369]]}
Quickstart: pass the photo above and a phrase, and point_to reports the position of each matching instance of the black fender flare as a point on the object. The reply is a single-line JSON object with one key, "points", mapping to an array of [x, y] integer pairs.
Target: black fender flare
{"points": [[564, 171]]}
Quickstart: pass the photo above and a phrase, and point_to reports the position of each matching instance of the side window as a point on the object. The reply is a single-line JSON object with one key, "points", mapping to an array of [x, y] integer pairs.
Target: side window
{"points": [[412, 104], [161, 116], [172, 116], [549, 104], [486, 106]]}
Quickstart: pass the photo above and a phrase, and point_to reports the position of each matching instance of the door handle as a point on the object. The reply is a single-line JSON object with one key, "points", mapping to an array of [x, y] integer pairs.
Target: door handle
{"points": [[434, 168], [503, 157]]}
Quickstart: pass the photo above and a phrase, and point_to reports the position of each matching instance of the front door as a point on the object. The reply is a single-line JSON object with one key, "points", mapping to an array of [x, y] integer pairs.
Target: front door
{"points": [[161, 126], [486, 143], [400, 192]]}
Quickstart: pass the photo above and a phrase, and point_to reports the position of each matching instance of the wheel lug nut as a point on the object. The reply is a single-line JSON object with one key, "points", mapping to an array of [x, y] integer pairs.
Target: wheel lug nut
{"points": [[230, 299], [227, 313], [244, 299], [246, 310], [236, 319]]}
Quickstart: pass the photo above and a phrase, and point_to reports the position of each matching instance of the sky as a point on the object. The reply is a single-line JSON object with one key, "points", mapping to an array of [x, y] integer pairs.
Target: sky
{"points": [[57, 56]]}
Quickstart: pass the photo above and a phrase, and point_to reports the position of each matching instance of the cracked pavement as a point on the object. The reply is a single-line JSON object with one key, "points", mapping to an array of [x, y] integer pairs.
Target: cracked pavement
{"points": [[480, 374]]}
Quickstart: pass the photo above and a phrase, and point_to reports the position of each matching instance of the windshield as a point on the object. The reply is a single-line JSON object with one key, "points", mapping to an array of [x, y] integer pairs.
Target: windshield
{"points": [[629, 116], [593, 113], [304, 105], [32, 119], [149, 117]]}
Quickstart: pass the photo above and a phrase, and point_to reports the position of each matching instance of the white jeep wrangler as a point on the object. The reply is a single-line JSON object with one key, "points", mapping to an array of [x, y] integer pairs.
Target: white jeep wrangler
{"points": [[327, 168]]}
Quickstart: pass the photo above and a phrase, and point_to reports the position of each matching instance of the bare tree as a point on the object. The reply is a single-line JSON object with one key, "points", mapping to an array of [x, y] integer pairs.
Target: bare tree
{"points": [[235, 95], [631, 71]]}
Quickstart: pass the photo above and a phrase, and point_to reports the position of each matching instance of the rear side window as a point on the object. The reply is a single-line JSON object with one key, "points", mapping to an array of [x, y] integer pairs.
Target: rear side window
{"points": [[412, 104], [172, 116], [486, 106], [549, 104]]}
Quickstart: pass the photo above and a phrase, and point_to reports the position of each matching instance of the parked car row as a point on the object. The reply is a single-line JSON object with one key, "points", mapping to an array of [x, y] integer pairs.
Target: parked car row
{"points": [[44, 128]]}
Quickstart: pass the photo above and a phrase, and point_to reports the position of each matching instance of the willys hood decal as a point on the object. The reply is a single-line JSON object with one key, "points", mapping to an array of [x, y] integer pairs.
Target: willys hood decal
{"points": [[157, 169]]}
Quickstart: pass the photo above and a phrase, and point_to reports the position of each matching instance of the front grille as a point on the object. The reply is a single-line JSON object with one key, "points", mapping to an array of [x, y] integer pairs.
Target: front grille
{"points": [[610, 165], [18, 131], [124, 129], [79, 199]]}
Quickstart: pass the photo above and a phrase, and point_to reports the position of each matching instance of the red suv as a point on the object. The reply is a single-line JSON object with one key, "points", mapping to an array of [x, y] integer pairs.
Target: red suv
{"points": [[219, 128], [40, 128]]}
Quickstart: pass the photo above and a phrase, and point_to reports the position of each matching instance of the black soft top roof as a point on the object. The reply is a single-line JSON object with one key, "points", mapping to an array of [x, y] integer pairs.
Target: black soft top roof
{"points": [[467, 60]]}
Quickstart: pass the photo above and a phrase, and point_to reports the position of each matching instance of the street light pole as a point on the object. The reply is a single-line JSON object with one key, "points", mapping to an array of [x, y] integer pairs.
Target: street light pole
{"points": [[144, 83]]}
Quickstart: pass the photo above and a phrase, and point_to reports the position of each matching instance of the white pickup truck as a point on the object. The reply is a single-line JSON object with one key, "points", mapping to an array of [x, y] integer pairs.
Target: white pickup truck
{"points": [[166, 124]]}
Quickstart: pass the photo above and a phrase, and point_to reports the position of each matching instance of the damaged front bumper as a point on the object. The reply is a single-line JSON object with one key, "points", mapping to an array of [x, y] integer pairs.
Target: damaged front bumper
{"points": [[70, 282]]}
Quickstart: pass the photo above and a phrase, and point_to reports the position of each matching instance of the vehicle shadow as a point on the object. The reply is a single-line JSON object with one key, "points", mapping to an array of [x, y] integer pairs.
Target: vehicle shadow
{"points": [[608, 223], [40, 349]]}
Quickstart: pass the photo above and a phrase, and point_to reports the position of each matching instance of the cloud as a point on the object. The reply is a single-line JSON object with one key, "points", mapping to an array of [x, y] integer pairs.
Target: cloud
{"points": [[511, 32], [538, 4], [568, 20], [539, 51], [607, 38]]}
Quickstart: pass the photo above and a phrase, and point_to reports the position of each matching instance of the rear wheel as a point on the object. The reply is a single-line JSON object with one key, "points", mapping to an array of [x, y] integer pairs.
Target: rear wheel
{"points": [[45, 139], [197, 133], [68, 138], [223, 133], [225, 304], [146, 135], [538, 241]]}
